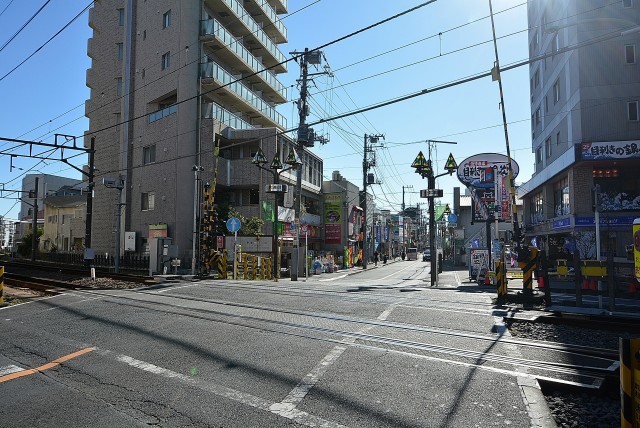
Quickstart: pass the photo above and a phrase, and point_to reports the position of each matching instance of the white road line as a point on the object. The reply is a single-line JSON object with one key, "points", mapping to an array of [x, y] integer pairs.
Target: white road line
{"points": [[332, 279], [297, 416], [176, 288], [458, 282], [10, 369], [31, 301], [297, 394], [396, 272]]}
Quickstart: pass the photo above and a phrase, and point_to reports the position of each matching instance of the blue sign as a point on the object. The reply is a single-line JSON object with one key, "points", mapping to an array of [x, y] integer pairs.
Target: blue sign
{"points": [[452, 218], [233, 224], [562, 223], [604, 221]]}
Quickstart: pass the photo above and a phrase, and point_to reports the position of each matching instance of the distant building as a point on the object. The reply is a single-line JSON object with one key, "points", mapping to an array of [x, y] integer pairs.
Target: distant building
{"points": [[64, 223]]}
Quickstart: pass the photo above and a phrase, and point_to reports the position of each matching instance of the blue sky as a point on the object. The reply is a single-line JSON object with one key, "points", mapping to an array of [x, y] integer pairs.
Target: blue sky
{"points": [[446, 41]]}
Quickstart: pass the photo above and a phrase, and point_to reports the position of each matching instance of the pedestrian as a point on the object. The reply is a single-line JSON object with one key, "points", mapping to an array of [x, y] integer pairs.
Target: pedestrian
{"points": [[375, 258]]}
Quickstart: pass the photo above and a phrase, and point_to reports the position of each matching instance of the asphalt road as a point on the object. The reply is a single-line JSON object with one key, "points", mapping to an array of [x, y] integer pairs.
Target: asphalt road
{"points": [[380, 348]]}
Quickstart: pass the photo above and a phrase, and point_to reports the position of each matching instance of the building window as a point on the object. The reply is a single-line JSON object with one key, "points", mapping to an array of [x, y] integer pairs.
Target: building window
{"points": [[166, 19], [555, 43], [547, 147], [254, 196], [148, 201], [558, 139], [166, 58], [119, 87], [149, 154], [120, 48], [539, 155], [632, 111], [561, 197], [536, 78], [627, 3], [546, 104], [556, 91], [537, 209], [538, 116], [121, 17], [630, 54]]}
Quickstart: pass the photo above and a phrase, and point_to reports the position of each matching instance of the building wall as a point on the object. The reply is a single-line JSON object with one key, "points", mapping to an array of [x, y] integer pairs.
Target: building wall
{"points": [[181, 138]]}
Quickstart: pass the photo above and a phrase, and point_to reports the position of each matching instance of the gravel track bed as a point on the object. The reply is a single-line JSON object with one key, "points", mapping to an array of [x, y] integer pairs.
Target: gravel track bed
{"points": [[573, 409]]}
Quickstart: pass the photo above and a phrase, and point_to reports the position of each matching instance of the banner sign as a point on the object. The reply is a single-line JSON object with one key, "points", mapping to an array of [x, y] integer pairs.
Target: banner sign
{"points": [[332, 234], [332, 208], [609, 150], [636, 247], [604, 221], [479, 260], [479, 170]]}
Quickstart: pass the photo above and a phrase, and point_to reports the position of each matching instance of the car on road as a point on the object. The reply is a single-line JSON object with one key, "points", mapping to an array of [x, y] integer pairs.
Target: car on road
{"points": [[426, 256]]}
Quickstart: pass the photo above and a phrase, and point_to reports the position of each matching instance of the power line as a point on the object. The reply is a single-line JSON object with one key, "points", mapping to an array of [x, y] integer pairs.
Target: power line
{"points": [[23, 26], [47, 42]]}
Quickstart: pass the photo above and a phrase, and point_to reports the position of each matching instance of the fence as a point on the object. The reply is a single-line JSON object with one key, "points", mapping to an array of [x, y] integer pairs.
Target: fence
{"points": [[128, 261]]}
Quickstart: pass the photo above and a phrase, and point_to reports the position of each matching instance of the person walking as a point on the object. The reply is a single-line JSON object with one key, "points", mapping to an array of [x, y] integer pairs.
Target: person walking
{"points": [[375, 258]]}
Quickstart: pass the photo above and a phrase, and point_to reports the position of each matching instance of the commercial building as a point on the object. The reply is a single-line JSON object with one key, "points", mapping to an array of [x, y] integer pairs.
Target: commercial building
{"points": [[183, 84], [585, 90]]}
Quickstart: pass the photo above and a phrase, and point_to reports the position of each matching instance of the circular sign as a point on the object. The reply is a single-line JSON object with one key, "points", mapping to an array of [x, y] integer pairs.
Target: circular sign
{"points": [[452, 218], [304, 228], [480, 170], [233, 224]]}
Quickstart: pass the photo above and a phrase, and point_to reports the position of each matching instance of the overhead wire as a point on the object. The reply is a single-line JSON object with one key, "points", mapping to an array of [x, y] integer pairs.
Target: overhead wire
{"points": [[23, 26]]}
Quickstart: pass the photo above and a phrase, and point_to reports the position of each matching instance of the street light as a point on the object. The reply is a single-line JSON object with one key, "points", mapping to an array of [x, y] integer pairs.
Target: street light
{"points": [[424, 167], [275, 169]]}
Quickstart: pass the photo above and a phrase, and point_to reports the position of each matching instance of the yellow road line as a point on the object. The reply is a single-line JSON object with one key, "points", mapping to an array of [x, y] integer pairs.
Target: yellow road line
{"points": [[44, 367]]}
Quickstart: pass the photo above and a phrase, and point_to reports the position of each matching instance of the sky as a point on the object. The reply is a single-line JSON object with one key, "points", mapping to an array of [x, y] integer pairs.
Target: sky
{"points": [[437, 44]]}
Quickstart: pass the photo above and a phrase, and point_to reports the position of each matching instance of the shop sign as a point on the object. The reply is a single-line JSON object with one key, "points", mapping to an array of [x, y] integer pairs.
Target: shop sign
{"points": [[604, 221], [332, 233], [609, 150], [562, 223], [479, 170], [158, 230]]}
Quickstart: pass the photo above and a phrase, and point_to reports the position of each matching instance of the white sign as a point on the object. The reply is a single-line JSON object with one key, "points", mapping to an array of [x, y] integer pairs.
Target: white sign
{"points": [[129, 241], [479, 259]]}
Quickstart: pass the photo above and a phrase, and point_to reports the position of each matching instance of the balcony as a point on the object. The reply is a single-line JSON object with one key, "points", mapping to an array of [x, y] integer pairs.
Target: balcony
{"points": [[213, 32], [275, 25], [284, 5], [244, 25], [215, 77], [214, 111]]}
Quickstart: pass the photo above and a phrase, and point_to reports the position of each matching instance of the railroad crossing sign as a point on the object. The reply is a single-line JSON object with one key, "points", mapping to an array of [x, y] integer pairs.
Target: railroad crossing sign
{"points": [[233, 224]]}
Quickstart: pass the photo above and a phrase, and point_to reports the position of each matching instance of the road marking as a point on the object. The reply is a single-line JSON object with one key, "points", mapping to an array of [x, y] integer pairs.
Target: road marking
{"points": [[396, 272], [332, 279], [10, 369], [176, 288], [297, 416], [458, 282], [297, 394], [30, 301], [44, 367]]}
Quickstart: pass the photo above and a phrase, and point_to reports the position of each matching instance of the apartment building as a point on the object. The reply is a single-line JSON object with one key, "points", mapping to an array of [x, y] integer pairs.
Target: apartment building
{"points": [[168, 79], [585, 89]]}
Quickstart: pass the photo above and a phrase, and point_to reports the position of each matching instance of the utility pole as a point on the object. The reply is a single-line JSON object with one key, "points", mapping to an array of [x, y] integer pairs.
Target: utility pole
{"points": [[306, 138], [34, 222], [405, 187], [366, 164], [90, 186]]}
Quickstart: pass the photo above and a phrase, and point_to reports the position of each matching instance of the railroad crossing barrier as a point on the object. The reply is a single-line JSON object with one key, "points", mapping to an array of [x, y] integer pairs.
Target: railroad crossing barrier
{"points": [[250, 266], [222, 263], [629, 382], [1, 284], [528, 264], [592, 271], [501, 281], [562, 270]]}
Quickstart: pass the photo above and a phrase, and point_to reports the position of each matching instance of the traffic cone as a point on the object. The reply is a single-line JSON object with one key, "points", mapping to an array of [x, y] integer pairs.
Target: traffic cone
{"points": [[593, 285], [487, 279], [585, 284], [541, 282]]}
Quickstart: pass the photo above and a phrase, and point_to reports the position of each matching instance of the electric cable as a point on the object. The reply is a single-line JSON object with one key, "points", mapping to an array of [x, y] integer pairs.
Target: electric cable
{"points": [[23, 26]]}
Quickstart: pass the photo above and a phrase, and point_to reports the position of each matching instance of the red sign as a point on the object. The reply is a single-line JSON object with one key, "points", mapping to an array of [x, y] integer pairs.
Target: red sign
{"points": [[332, 234], [220, 242]]}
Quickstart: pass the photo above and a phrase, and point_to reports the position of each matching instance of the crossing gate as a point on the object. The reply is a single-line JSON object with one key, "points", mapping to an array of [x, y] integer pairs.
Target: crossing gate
{"points": [[501, 280], [1, 284], [528, 265]]}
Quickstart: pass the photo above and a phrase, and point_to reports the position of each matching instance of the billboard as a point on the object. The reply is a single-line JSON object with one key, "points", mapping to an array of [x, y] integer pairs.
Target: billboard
{"points": [[333, 218], [480, 171]]}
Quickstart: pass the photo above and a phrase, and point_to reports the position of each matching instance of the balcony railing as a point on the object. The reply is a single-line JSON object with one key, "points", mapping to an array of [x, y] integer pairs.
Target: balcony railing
{"points": [[213, 70], [167, 111], [254, 28], [211, 27], [273, 16], [214, 111]]}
